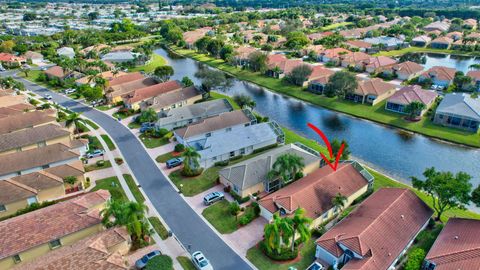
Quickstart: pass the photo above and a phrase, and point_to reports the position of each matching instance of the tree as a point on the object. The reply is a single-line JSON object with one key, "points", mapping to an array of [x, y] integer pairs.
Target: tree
{"points": [[258, 61], [163, 73], [341, 84], [339, 201], [75, 120], [414, 109], [276, 233], [91, 93], [92, 16], [296, 40], [202, 44], [226, 52], [299, 74], [29, 16], [336, 145], [213, 79], [71, 180], [300, 223], [187, 82], [149, 115], [214, 47], [415, 259], [446, 190], [461, 81], [129, 214], [191, 164], [244, 101], [413, 57], [286, 167], [234, 209]]}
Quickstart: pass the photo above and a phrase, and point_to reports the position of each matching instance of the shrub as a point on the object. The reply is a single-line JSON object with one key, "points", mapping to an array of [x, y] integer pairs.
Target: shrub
{"points": [[415, 259], [239, 199], [100, 163], [319, 231], [234, 208], [285, 254], [227, 189], [191, 173], [264, 148], [160, 133], [236, 157], [222, 163], [119, 161], [161, 262], [256, 209], [179, 147]]}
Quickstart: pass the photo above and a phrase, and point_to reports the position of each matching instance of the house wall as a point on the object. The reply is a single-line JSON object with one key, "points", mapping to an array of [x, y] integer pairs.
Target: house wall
{"points": [[35, 169], [40, 250], [181, 103], [443, 119], [382, 97], [51, 193], [326, 256], [64, 139], [12, 208]]}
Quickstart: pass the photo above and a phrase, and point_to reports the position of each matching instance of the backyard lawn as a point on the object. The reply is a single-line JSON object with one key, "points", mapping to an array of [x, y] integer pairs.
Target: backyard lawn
{"points": [[113, 185], [156, 61], [197, 184], [262, 262], [219, 216], [375, 113], [94, 166]]}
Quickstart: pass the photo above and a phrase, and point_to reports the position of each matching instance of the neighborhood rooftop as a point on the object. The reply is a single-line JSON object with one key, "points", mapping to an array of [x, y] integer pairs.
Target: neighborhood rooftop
{"points": [[460, 104]]}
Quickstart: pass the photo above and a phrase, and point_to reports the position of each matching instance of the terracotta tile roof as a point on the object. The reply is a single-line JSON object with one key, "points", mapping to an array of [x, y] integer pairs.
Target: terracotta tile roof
{"points": [[315, 191], [8, 57], [475, 74], [359, 44], [443, 40], [174, 97], [33, 55], [125, 88], [475, 35], [379, 229], [336, 52], [50, 223], [18, 121], [411, 93], [407, 68], [19, 161], [441, 73], [9, 100], [457, 246], [152, 91], [374, 86], [287, 66], [107, 75], [320, 73], [315, 36], [355, 57], [55, 71], [273, 59], [71, 169], [380, 61], [223, 120], [30, 136], [191, 37], [126, 78], [11, 192], [243, 52], [40, 180]]}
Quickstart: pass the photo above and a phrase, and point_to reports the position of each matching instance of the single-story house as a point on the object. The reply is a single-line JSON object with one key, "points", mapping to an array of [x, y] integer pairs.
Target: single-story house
{"points": [[281, 69], [107, 75], [421, 41], [372, 91], [459, 110], [27, 120], [31, 235], [408, 94], [474, 35], [191, 37], [475, 75], [116, 92], [441, 43], [96, 48], [35, 57], [315, 192], [315, 49], [355, 33], [223, 123], [104, 250], [250, 176], [320, 77], [58, 73], [120, 56], [437, 26], [12, 100], [361, 45], [219, 147], [242, 55], [377, 233], [470, 24], [441, 76], [404, 71], [11, 61], [352, 59], [385, 43], [274, 59], [333, 55], [141, 98], [66, 51], [456, 247], [186, 115], [376, 64], [455, 35], [174, 99]]}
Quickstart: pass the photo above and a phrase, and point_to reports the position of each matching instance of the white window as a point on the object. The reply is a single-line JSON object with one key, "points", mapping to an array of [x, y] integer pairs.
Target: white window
{"points": [[32, 200]]}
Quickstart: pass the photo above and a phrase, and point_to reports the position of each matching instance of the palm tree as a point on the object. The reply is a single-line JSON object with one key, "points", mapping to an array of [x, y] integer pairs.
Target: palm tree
{"points": [[286, 167], [339, 201], [300, 223], [414, 109], [73, 119], [244, 101], [191, 157], [276, 233]]}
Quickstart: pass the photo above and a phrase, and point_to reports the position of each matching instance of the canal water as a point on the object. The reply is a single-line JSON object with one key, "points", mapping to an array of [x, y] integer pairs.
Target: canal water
{"points": [[460, 63], [391, 151]]}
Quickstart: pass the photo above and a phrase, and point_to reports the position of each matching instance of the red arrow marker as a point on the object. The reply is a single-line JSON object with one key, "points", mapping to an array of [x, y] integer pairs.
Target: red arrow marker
{"points": [[329, 147]]}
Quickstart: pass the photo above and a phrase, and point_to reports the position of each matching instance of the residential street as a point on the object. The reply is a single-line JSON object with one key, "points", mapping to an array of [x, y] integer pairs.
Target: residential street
{"points": [[189, 228]]}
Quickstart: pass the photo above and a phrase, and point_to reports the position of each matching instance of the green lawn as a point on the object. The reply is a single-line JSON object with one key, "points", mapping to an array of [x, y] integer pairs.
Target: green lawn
{"points": [[186, 263], [113, 185], [150, 142], [133, 188], [262, 262], [424, 50], [103, 107], [216, 95], [108, 141], [94, 167], [133, 125], [335, 26], [158, 227], [91, 123], [219, 216], [197, 184], [156, 61], [163, 158], [375, 113]]}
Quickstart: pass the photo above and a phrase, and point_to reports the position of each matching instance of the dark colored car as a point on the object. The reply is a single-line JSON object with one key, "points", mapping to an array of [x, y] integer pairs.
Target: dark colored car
{"points": [[142, 262], [174, 162], [146, 127]]}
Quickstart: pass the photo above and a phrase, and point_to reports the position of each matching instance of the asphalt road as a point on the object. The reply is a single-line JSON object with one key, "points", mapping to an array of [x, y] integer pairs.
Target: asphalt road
{"points": [[189, 228]]}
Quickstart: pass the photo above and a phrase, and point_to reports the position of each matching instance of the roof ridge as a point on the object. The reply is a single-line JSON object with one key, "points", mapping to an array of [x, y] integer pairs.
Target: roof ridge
{"points": [[20, 185], [468, 104], [454, 253], [52, 176]]}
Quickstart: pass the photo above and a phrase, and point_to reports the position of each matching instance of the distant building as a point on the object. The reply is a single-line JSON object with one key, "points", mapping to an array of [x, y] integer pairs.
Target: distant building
{"points": [[408, 94], [421, 41], [371, 91], [459, 110], [67, 52], [439, 75]]}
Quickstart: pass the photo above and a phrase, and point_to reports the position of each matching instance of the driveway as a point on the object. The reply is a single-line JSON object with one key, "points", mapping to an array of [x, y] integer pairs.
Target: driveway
{"points": [[190, 229]]}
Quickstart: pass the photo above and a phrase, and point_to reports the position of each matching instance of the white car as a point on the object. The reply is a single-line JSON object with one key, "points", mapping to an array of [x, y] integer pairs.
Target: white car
{"points": [[48, 97], [200, 262], [70, 90]]}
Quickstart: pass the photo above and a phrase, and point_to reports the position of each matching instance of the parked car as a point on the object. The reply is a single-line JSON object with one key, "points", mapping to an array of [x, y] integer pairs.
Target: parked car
{"points": [[2, 68], [95, 153], [48, 97], [174, 162], [43, 68], [315, 266], [146, 127], [97, 102], [70, 90], [142, 262], [200, 262], [213, 197]]}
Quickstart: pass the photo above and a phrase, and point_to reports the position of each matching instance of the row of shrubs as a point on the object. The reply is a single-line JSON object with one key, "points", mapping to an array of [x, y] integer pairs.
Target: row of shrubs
{"points": [[286, 253], [249, 216]]}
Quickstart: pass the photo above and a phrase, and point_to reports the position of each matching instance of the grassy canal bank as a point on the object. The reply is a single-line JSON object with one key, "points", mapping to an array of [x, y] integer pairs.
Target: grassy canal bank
{"points": [[375, 113]]}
